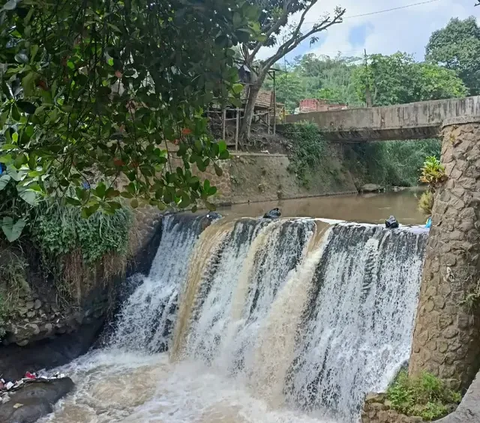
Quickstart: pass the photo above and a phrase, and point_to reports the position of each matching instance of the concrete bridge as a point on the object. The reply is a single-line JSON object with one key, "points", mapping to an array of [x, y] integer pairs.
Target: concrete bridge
{"points": [[401, 122]]}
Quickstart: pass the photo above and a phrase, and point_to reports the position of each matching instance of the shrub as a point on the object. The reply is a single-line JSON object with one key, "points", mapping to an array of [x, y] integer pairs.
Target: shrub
{"points": [[425, 396], [389, 163], [308, 147], [433, 172], [73, 247], [425, 204]]}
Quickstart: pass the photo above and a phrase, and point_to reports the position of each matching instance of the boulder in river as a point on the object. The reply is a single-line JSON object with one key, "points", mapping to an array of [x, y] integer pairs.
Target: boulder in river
{"points": [[392, 223], [372, 188], [34, 400], [273, 214]]}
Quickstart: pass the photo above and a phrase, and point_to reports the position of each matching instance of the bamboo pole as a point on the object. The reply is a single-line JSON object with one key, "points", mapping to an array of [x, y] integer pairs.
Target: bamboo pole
{"points": [[237, 129], [224, 124], [274, 104]]}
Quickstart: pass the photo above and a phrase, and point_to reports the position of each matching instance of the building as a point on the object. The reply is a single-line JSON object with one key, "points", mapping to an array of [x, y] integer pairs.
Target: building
{"points": [[316, 105]]}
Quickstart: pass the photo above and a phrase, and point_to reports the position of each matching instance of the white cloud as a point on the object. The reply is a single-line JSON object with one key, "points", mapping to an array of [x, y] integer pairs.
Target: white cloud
{"points": [[405, 30]]}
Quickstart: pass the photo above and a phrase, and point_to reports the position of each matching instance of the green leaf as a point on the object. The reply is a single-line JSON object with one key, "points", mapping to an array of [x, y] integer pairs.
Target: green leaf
{"points": [[88, 211], [28, 83], [4, 180], [237, 88], [222, 146], [218, 170], [21, 58], [11, 229], [73, 201], [10, 5], [28, 196], [26, 107], [100, 190]]}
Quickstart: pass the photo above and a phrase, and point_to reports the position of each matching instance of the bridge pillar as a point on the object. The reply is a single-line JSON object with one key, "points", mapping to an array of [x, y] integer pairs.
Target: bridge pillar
{"points": [[446, 339]]}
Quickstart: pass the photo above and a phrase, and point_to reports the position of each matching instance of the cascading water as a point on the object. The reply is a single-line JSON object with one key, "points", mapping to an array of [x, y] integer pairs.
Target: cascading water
{"points": [[147, 317], [266, 321]]}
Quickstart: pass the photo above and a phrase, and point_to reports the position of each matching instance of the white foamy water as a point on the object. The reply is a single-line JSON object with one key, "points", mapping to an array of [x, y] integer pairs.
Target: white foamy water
{"points": [[290, 321], [117, 386]]}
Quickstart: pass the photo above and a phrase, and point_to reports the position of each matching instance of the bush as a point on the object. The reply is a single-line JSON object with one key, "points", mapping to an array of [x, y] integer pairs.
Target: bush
{"points": [[308, 147], [425, 204], [392, 163], [59, 230], [425, 396], [74, 248]]}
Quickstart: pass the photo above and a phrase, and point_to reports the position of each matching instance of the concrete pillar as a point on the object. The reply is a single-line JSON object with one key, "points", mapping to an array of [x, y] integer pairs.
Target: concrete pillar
{"points": [[446, 339]]}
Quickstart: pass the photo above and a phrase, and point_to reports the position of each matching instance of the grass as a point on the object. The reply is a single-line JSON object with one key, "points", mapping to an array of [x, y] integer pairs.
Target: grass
{"points": [[425, 396]]}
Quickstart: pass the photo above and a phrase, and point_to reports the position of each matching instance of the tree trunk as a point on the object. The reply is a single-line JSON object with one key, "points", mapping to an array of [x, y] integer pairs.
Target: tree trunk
{"points": [[249, 111], [446, 339]]}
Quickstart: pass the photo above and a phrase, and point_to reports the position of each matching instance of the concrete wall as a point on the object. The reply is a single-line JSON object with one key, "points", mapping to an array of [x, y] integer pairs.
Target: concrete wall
{"points": [[407, 121]]}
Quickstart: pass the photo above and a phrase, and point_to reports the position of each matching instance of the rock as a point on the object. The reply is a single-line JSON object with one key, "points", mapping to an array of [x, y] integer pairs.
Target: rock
{"points": [[273, 214], [372, 188], [37, 304], [34, 401], [30, 305], [22, 311], [31, 314], [469, 408], [391, 223]]}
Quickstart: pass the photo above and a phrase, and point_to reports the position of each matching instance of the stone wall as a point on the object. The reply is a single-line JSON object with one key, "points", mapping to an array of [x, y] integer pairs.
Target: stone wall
{"points": [[250, 177], [377, 409], [446, 339]]}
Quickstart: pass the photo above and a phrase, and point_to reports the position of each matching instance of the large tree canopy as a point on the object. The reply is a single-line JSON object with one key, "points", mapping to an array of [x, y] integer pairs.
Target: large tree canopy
{"points": [[92, 90], [457, 47], [398, 79], [390, 80]]}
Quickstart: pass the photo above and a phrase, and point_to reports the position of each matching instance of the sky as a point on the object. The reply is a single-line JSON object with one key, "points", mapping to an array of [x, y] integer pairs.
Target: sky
{"points": [[407, 30]]}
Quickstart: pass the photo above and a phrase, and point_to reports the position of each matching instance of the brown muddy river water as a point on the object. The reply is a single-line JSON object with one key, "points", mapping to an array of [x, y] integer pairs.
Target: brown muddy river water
{"points": [[285, 321], [365, 208]]}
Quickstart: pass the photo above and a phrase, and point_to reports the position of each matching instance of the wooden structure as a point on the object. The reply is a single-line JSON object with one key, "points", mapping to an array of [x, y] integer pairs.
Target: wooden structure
{"points": [[267, 111]]}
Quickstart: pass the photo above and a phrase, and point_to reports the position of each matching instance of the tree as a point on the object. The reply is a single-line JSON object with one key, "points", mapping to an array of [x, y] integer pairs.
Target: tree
{"points": [[290, 90], [457, 47], [274, 19], [92, 90], [398, 79]]}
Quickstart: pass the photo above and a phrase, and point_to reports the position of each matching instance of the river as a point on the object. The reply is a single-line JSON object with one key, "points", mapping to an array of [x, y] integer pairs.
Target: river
{"points": [[365, 208]]}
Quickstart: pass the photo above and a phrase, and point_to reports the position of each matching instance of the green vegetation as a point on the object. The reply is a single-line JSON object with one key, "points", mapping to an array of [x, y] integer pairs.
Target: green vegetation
{"points": [[457, 47], [94, 92], [274, 29], [13, 284], [425, 396], [61, 230], [398, 79], [72, 247], [308, 148], [425, 204], [394, 163], [433, 174], [376, 80]]}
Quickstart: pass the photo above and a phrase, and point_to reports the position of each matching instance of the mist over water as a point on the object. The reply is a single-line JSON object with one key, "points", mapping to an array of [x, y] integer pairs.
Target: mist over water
{"points": [[292, 320]]}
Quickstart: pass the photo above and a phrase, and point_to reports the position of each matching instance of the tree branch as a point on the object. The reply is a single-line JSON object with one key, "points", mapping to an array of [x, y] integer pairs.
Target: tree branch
{"points": [[295, 39], [276, 26]]}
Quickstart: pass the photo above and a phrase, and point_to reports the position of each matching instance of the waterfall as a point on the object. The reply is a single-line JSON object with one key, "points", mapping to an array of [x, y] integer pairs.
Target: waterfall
{"points": [[306, 315], [147, 317]]}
